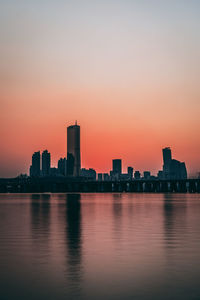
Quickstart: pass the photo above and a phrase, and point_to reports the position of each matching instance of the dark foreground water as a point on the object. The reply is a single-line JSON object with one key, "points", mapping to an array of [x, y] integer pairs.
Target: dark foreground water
{"points": [[100, 246]]}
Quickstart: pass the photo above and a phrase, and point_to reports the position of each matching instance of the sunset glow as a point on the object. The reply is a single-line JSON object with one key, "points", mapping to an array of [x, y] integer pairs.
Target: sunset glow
{"points": [[128, 73]]}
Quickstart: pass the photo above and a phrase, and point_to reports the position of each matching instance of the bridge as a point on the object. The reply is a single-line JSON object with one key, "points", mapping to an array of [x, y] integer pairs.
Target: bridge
{"points": [[69, 185]]}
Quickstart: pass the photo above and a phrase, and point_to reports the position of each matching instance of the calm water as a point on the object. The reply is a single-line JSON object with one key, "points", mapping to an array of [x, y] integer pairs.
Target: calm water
{"points": [[100, 246]]}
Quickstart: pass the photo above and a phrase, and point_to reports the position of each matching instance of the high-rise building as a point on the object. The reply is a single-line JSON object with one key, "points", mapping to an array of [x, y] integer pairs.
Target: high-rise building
{"points": [[46, 163], [183, 170], [116, 169], [137, 175], [147, 174], [106, 177], [88, 173], [167, 159], [172, 168], [35, 167], [62, 166], [130, 172], [167, 155], [73, 150], [100, 177], [160, 174], [117, 166]]}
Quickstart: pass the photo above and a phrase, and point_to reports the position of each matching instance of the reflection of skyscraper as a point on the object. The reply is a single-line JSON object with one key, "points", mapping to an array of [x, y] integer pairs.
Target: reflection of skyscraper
{"points": [[117, 206], [73, 150], [46, 163], [174, 213], [70, 219], [35, 167], [73, 219], [40, 216]]}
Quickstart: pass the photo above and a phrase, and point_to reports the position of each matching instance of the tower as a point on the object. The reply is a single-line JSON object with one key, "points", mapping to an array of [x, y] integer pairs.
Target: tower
{"points": [[167, 158], [35, 167], [117, 166], [167, 155], [73, 150], [46, 163]]}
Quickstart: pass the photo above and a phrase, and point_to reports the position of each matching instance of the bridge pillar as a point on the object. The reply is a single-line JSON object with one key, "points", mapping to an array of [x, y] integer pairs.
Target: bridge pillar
{"points": [[192, 186], [198, 186], [164, 186]]}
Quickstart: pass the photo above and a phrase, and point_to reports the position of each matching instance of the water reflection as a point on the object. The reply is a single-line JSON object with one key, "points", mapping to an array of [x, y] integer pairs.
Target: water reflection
{"points": [[117, 213], [73, 234], [40, 214], [174, 219], [96, 246], [73, 228]]}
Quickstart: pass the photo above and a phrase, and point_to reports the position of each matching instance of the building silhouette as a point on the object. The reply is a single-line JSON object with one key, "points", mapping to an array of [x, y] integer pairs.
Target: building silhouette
{"points": [[73, 150], [100, 177], [46, 163], [35, 167], [137, 175], [160, 174], [147, 175], [130, 173], [88, 173], [62, 166], [116, 169], [167, 155], [106, 177], [117, 166], [71, 165], [172, 168], [167, 158]]}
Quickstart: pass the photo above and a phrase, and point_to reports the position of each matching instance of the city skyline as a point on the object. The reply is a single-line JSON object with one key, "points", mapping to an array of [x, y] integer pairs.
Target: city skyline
{"points": [[99, 149], [127, 70], [70, 166]]}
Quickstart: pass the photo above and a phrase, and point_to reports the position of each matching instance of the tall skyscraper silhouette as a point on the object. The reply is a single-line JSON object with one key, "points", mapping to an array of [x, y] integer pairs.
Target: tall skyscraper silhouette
{"points": [[116, 169], [35, 167], [62, 166], [117, 166], [73, 150], [46, 163], [167, 155], [167, 158], [172, 168], [130, 172]]}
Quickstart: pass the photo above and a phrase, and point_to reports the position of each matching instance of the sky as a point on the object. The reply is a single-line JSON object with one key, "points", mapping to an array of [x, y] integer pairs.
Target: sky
{"points": [[127, 70]]}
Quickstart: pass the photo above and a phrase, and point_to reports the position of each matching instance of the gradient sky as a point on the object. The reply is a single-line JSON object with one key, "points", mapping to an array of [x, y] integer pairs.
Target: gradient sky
{"points": [[128, 71]]}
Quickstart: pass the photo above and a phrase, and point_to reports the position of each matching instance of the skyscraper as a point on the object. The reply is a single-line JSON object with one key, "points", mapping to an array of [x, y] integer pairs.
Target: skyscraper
{"points": [[167, 158], [116, 169], [62, 166], [46, 163], [130, 173], [172, 168], [117, 166], [167, 155], [35, 167], [73, 150]]}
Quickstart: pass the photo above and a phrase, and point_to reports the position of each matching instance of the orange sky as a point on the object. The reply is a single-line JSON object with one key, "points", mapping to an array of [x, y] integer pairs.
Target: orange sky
{"points": [[128, 72]]}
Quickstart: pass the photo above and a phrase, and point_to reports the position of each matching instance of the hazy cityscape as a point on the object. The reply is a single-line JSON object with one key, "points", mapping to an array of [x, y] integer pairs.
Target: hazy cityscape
{"points": [[69, 176], [106, 207], [70, 166]]}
